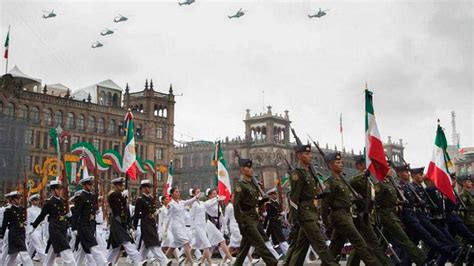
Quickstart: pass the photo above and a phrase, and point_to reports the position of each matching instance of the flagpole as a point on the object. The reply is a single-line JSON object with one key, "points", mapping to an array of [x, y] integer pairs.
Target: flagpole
{"points": [[8, 56], [341, 131]]}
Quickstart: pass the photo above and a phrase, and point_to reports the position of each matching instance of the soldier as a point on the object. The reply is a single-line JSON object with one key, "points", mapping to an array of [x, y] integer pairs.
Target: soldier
{"points": [[15, 220], [120, 222], [83, 219], [55, 208], [246, 199], [303, 196], [35, 237], [273, 219], [363, 219], [386, 202], [468, 199], [339, 200], [145, 211]]}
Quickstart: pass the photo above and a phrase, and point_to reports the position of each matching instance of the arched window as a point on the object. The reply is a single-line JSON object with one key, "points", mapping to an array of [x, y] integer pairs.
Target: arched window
{"points": [[58, 118], [115, 100], [102, 98], [109, 98], [112, 126], [70, 121], [80, 122], [100, 125], [48, 117], [23, 112], [10, 110], [91, 124], [34, 114]]}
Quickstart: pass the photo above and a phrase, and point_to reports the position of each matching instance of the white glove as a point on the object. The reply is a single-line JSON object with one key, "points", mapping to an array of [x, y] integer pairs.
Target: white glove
{"points": [[125, 193], [221, 198]]}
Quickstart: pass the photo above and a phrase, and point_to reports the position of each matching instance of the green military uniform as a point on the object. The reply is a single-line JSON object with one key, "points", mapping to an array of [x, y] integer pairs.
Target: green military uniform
{"points": [[339, 200], [364, 220], [468, 217], [246, 198], [303, 212], [386, 206]]}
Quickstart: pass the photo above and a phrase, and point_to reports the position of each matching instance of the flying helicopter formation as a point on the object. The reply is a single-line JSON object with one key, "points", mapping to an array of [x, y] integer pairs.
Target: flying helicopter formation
{"points": [[49, 14], [238, 14], [106, 32], [318, 14], [97, 44], [120, 18]]}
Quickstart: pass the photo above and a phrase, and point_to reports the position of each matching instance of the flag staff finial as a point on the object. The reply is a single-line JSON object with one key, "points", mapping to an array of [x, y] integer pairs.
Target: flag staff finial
{"points": [[438, 121], [366, 86]]}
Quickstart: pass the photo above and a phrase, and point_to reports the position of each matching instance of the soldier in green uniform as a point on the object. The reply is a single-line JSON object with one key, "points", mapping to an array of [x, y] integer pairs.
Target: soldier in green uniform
{"points": [[303, 196], [468, 199], [246, 199], [339, 200], [386, 202], [363, 219]]}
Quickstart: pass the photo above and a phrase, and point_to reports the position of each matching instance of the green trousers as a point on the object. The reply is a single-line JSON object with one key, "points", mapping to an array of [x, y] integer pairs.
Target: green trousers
{"points": [[252, 237]]}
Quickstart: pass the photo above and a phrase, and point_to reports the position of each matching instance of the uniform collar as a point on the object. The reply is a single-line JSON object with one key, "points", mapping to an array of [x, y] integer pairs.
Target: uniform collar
{"points": [[147, 195], [245, 179], [58, 198], [88, 192]]}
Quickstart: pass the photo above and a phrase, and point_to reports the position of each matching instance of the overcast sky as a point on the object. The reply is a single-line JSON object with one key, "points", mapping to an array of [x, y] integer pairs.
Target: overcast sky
{"points": [[417, 57]]}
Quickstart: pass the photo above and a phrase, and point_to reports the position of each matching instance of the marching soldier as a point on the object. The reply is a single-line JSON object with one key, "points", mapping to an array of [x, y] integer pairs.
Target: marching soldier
{"points": [[386, 202], [273, 219], [468, 199], [246, 199], [363, 219], [119, 225], [55, 208], [15, 220], [339, 200], [35, 243], [145, 211], [83, 219], [303, 211]]}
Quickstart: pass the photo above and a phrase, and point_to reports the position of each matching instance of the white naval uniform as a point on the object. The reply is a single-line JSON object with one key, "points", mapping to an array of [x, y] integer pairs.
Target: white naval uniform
{"points": [[198, 214], [215, 236], [36, 242], [176, 220], [229, 219], [101, 233]]}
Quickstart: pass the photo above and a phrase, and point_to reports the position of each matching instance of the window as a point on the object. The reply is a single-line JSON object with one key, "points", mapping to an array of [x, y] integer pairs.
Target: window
{"points": [[58, 118], [96, 144], [27, 161], [70, 121], [48, 117], [10, 110], [23, 112], [100, 125], [38, 139], [29, 137], [159, 153], [159, 132], [139, 132], [80, 122], [112, 126], [74, 139], [102, 98], [91, 124], [34, 114], [45, 140]]}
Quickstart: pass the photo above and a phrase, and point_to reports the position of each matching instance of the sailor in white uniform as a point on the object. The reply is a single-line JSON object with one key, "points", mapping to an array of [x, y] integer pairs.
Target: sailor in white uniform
{"points": [[36, 243]]}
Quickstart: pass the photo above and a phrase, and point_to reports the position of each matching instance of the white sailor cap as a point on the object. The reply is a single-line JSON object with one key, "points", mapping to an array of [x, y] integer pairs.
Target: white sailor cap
{"points": [[55, 184], [13, 193], [118, 180], [77, 193], [169, 190], [191, 192], [34, 197], [207, 191], [87, 179], [272, 190], [160, 198], [145, 182]]}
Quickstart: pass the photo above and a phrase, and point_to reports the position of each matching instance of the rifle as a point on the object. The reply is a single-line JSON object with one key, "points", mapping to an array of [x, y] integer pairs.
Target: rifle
{"points": [[424, 190], [254, 180], [314, 173], [397, 258], [66, 185], [25, 194], [463, 205], [400, 194], [351, 189]]}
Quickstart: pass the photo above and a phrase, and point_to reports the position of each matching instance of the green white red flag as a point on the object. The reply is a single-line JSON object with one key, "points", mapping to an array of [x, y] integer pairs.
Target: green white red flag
{"points": [[169, 180], [437, 169], [129, 153], [222, 174], [83, 172], [375, 154], [7, 44]]}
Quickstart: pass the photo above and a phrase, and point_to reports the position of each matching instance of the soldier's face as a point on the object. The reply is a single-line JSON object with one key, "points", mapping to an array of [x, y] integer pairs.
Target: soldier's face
{"points": [[88, 186], [360, 167], [337, 166], [306, 157], [247, 171], [213, 194], [35, 202], [57, 192], [146, 190], [273, 196], [418, 178], [119, 186], [16, 200], [176, 194], [468, 184], [404, 175]]}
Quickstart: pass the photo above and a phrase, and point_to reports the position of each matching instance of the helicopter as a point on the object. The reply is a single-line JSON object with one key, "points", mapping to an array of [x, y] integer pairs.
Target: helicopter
{"points": [[97, 44], [319, 14], [49, 14], [120, 18], [106, 31], [186, 2], [238, 14]]}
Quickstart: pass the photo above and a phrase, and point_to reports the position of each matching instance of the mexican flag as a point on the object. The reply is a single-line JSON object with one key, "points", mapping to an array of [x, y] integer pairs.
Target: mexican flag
{"points": [[375, 155], [83, 172], [71, 171], [222, 176], [169, 180], [129, 153], [437, 169], [7, 44]]}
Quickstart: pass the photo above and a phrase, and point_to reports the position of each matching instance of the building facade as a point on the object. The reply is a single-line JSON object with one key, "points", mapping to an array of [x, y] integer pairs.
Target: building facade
{"points": [[94, 114]]}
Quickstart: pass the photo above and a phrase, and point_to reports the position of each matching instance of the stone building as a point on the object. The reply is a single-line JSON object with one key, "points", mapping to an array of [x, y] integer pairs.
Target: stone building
{"points": [[465, 163], [95, 114]]}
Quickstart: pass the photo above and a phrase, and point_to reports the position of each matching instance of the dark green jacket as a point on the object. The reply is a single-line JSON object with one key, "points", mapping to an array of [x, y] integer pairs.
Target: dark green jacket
{"points": [[246, 198], [302, 195]]}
